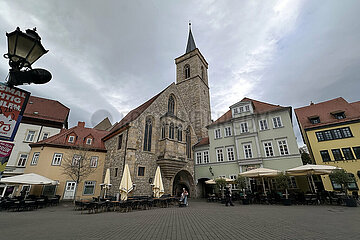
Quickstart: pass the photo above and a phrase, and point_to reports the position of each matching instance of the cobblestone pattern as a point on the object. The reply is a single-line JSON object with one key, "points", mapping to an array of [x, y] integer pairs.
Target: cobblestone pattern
{"points": [[201, 220]]}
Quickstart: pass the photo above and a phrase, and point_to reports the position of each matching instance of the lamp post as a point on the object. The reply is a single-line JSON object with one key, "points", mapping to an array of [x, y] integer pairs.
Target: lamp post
{"points": [[211, 171], [25, 48]]}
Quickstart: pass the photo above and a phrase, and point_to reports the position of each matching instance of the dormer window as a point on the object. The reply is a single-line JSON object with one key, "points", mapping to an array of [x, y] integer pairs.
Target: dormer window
{"points": [[339, 115], [314, 119], [187, 71], [71, 139], [241, 109], [235, 110], [247, 108], [88, 141]]}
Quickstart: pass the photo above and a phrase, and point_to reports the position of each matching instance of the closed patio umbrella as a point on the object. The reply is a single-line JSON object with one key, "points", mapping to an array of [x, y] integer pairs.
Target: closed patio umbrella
{"points": [[158, 188], [126, 185], [310, 170], [106, 183], [261, 172]]}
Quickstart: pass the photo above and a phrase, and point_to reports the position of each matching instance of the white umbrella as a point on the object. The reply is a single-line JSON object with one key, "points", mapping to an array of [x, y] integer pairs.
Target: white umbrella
{"points": [[30, 179], [158, 188], [310, 170], [106, 183], [261, 172], [126, 185], [212, 181]]}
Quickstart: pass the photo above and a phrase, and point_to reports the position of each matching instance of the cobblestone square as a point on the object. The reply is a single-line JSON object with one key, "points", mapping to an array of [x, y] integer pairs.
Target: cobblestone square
{"points": [[201, 220]]}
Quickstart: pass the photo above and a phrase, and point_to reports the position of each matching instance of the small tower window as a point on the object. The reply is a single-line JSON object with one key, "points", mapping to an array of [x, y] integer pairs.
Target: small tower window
{"points": [[179, 133], [202, 72], [188, 143], [187, 71], [171, 131], [163, 131], [171, 105]]}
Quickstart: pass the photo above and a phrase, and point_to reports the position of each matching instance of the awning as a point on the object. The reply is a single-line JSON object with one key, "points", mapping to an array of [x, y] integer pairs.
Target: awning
{"points": [[29, 178]]}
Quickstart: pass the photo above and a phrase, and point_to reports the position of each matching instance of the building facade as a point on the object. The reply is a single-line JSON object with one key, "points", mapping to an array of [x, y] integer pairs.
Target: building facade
{"points": [[53, 156], [250, 135], [42, 119], [331, 131], [162, 131]]}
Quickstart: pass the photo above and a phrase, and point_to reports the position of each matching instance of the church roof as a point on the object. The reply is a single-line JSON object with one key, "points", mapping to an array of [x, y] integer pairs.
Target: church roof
{"points": [[191, 43]]}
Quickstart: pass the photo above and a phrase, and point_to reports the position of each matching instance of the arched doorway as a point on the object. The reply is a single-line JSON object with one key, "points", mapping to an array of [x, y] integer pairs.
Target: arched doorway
{"points": [[203, 189], [183, 179]]}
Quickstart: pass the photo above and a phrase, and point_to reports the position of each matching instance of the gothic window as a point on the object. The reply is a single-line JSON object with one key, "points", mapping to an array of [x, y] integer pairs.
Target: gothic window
{"points": [[187, 71], [147, 135], [163, 131], [179, 133], [171, 104], [171, 131], [188, 143], [202, 73]]}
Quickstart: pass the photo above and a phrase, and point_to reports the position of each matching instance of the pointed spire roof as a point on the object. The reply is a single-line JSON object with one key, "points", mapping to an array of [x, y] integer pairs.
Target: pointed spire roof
{"points": [[191, 43]]}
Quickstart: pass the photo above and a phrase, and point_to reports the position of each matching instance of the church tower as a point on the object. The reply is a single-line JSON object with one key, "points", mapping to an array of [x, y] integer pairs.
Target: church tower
{"points": [[193, 85]]}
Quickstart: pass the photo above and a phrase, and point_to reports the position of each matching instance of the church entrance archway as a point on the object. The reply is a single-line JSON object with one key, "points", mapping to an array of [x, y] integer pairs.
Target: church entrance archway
{"points": [[183, 179]]}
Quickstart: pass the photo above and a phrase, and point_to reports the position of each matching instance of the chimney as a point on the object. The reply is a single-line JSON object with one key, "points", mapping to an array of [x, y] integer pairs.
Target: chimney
{"points": [[81, 124]]}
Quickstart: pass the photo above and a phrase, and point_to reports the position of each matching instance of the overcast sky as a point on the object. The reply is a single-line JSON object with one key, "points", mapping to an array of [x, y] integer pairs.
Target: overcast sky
{"points": [[107, 57]]}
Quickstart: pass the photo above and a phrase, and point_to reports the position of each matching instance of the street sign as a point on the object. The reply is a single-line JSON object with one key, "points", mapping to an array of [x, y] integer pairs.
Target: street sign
{"points": [[12, 106], [5, 151]]}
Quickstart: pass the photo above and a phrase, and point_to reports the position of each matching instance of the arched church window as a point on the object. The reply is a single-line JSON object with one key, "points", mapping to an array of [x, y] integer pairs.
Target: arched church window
{"points": [[179, 133], [202, 72], [147, 135], [188, 143], [171, 104], [187, 71], [163, 131], [171, 131]]}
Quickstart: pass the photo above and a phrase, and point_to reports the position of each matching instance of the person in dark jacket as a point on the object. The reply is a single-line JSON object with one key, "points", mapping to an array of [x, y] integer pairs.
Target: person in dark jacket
{"points": [[228, 197]]}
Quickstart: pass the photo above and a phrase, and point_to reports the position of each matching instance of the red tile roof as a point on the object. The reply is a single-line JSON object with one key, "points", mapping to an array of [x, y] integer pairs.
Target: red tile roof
{"points": [[323, 110], [81, 132], [46, 109], [202, 142], [259, 108]]}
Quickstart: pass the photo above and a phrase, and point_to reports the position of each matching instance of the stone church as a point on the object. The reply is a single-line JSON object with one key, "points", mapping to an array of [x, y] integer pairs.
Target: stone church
{"points": [[163, 130]]}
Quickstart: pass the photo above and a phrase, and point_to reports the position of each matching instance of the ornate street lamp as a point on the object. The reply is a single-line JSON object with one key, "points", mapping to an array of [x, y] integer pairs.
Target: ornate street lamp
{"points": [[23, 50], [211, 171]]}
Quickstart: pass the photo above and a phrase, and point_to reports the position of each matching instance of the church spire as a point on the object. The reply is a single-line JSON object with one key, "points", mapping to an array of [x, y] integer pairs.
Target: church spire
{"points": [[191, 43]]}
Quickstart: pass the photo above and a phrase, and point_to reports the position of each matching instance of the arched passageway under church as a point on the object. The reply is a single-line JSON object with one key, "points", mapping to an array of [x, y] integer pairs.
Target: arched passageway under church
{"points": [[183, 179]]}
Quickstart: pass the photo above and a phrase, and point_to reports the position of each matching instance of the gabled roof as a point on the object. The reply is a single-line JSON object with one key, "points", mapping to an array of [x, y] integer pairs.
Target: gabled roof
{"points": [[259, 108], [46, 109], [325, 111], [203, 142], [81, 132], [105, 124], [133, 114], [191, 43]]}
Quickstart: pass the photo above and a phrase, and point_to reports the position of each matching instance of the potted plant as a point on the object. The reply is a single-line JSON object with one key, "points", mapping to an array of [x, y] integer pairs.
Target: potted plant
{"points": [[221, 184], [282, 183], [341, 177], [241, 182]]}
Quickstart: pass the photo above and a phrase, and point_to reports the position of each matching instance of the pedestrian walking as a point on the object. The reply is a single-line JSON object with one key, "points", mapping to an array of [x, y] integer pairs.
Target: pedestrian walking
{"points": [[228, 197]]}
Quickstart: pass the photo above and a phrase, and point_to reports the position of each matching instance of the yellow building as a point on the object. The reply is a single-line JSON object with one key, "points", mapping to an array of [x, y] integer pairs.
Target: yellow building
{"points": [[331, 130], [51, 156]]}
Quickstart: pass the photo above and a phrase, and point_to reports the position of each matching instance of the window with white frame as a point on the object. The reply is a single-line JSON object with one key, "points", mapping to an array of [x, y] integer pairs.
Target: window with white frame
{"points": [[88, 141], [219, 155], [268, 148], [230, 153], [76, 160], [241, 109], [283, 147], [228, 132], [244, 127], [277, 122], [22, 160], [247, 108], [198, 158], [217, 133], [89, 187], [35, 158], [57, 159], [235, 110], [45, 136], [206, 156], [30, 136], [263, 125], [71, 139], [292, 182], [94, 161], [247, 151], [233, 186]]}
